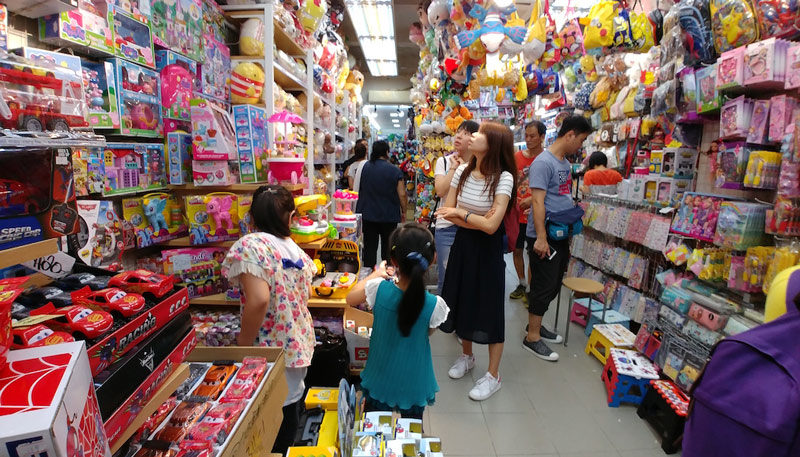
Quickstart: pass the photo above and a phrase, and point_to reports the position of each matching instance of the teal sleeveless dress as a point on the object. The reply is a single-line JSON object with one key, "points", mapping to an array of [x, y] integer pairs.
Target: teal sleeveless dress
{"points": [[399, 371]]}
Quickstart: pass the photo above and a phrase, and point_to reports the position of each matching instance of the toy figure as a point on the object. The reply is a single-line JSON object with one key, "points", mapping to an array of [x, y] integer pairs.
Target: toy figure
{"points": [[219, 209], [154, 211]]}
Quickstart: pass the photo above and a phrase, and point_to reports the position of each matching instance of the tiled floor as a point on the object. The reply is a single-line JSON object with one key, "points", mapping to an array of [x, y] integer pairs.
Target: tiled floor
{"points": [[543, 408]]}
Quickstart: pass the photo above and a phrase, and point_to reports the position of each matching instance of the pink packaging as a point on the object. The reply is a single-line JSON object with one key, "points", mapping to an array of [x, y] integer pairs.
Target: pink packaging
{"points": [[757, 134], [780, 116], [793, 67], [212, 173], [730, 69], [765, 63], [735, 118]]}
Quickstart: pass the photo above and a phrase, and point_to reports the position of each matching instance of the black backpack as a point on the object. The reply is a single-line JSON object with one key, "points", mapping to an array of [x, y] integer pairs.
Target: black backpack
{"points": [[331, 361]]}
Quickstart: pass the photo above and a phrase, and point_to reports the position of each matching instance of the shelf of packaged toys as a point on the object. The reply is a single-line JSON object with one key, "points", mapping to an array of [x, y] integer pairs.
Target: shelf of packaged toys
{"points": [[184, 241], [15, 256], [243, 187], [161, 395], [213, 300]]}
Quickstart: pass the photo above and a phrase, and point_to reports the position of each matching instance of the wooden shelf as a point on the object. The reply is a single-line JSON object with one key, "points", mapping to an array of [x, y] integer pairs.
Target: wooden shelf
{"points": [[286, 79], [184, 242], [15, 256], [246, 187], [286, 43], [213, 300], [314, 245], [316, 302], [162, 394]]}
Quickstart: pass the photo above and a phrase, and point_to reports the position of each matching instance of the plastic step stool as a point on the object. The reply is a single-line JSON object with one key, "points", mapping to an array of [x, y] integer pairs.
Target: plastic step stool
{"points": [[607, 336], [665, 408], [626, 375], [612, 317], [580, 310]]}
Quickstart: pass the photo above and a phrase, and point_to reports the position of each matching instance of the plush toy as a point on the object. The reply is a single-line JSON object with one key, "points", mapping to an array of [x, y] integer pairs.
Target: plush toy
{"points": [[251, 37], [311, 13], [247, 83], [521, 92], [491, 32], [415, 34], [588, 68], [355, 82]]}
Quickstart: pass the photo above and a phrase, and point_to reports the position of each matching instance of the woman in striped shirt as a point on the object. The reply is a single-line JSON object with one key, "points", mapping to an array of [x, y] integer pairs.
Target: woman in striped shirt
{"points": [[474, 283]]}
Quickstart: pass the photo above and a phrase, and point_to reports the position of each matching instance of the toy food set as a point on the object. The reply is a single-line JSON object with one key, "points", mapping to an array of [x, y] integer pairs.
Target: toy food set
{"points": [[730, 69], [100, 86], [132, 39], [731, 163], [341, 262], [179, 157], [212, 217], [133, 167], [735, 118], [252, 142], [310, 222], [41, 95], [215, 69], [57, 418], [103, 236], [178, 83], [740, 225], [116, 383], [213, 132], [139, 104], [155, 218], [178, 25], [765, 64], [89, 25], [216, 328], [708, 98], [36, 186], [697, 216], [197, 269], [763, 170]]}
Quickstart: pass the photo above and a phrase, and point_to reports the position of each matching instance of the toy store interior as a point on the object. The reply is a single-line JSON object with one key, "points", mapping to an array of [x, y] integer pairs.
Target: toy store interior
{"points": [[204, 214]]}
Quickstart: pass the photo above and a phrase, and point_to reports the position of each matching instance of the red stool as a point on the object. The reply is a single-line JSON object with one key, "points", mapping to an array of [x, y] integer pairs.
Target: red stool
{"points": [[626, 376]]}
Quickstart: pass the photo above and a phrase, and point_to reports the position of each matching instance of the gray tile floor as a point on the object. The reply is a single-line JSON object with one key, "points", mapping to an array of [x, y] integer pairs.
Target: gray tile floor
{"points": [[543, 409]]}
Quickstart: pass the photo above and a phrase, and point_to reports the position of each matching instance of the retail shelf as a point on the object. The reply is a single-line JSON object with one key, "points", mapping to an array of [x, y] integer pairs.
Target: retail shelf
{"points": [[213, 300], [286, 79], [162, 394], [184, 242], [316, 302], [314, 245], [16, 140], [246, 187], [24, 253]]}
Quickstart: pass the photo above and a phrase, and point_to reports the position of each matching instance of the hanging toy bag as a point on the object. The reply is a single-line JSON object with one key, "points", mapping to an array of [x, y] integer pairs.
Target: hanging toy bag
{"points": [[598, 25], [643, 33], [733, 24], [570, 35], [552, 46], [695, 21], [778, 18]]}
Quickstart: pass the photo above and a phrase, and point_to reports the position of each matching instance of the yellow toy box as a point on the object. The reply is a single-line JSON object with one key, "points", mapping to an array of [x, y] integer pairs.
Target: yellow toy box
{"points": [[341, 262], [213, 217]]}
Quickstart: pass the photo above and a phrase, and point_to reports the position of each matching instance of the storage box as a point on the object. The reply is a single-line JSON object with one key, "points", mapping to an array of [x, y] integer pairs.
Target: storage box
{"points": [[252, 142], [357, 345], [49, 406]]}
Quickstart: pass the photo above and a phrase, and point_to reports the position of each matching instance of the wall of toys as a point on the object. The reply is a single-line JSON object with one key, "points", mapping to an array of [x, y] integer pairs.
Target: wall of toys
{"points": [[694, 101]]}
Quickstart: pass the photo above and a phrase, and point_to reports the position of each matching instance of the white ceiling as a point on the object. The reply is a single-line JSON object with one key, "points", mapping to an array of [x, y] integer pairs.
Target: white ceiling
{"points": [[389, 118]]}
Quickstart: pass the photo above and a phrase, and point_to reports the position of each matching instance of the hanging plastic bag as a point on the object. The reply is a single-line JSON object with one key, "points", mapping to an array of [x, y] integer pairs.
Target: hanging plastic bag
{"points": [[570, 35], [778, 18], [695, 20], [734, 24], [552, 46], [599, 25], [642, 32]]}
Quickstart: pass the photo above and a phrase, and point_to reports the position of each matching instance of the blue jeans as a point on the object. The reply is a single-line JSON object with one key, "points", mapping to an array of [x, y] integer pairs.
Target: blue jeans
{"points": [[444, 240]]}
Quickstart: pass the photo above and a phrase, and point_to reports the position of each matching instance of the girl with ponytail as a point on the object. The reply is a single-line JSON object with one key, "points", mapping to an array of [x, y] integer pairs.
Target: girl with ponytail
{"points": [[399, 373]]}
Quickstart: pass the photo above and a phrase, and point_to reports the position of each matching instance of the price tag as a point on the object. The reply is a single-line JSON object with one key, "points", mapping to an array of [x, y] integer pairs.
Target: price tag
{"points": [[55, 265], [33, 320]]}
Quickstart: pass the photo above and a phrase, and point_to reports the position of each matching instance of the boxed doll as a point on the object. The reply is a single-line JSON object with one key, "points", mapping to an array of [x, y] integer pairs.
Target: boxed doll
{"points": [[731, 162]]}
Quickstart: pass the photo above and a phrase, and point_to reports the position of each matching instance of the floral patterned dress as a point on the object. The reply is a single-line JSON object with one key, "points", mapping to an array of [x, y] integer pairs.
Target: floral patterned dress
{"points": [[287, 323]]}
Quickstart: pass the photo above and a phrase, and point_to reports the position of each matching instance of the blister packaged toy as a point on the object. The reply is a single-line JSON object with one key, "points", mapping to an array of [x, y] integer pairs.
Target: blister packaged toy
{"points": [[133, 167], [780, 116], [178, 84], [252, 142], [212, 217], [197, 269], [90, 25], [793, 67], [139, 105], [765, 63], [757, 133], [735, 118], [155, 218], [247, 379], [87, 168], [763, 170], [132, 39], [185, 416], [697, 216], [734, 24], [179, 157], [216, 425], [100, 87], [731, 164], [178, 25], [730, 69], [103, 236]]}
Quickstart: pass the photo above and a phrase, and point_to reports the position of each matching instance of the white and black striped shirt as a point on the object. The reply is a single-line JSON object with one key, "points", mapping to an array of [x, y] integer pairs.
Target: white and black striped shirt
{"points": [[474, 196]]}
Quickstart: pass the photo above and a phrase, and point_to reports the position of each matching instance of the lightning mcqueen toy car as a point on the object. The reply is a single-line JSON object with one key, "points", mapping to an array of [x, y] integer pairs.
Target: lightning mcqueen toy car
{"points": [[80, 321], [216, 379], [143, 281], [113, 300], [37, 335]]}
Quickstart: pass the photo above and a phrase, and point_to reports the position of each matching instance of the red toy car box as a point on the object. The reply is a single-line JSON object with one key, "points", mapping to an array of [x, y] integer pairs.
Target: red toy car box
{"points": [[37, 197], [48, 404]]}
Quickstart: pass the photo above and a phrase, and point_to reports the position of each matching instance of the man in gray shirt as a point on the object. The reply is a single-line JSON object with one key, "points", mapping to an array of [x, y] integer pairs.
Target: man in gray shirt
{"points": [[550, 179]]}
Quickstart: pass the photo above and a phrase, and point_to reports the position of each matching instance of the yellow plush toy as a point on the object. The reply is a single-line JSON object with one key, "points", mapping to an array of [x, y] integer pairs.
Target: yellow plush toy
{"points": [[251, 37], [247, 83], [355, 81], [588, 68]]}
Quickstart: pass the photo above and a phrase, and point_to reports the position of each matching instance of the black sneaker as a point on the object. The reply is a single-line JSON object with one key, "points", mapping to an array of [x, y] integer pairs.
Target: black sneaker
{"points": [[518, 293], [547, 335], [540, 349]]}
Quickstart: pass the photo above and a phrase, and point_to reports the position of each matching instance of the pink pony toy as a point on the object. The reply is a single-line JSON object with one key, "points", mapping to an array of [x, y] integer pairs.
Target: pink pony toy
{"points": [[219, 209]]}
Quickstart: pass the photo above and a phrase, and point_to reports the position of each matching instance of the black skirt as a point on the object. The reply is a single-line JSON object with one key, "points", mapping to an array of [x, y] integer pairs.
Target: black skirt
{"points": [[474, 287]]}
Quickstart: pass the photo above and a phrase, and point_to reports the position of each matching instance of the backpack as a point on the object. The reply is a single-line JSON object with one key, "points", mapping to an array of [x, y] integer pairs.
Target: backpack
{"points": [[734, 24], [331, 360], [695, 21], [747, 400], [778, 18], [598, 25]]}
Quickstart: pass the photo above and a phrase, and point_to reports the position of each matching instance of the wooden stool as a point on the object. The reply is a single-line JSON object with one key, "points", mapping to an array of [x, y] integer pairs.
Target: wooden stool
{"points": [[665, 408], [626, 376], [607, 336], [584, 287]]}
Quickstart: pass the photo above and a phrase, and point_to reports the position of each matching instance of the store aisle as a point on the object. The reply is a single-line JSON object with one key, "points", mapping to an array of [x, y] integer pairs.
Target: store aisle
{"points": [[543, 409]]}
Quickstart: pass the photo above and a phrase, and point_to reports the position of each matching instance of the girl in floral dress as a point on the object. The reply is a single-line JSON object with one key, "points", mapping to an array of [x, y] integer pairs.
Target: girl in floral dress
{"points": [[274, 276]]}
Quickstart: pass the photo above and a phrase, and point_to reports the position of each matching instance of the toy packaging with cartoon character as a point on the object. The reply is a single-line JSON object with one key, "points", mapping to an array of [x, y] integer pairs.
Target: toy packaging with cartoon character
{"points": [[213, 217], [155, 218]]}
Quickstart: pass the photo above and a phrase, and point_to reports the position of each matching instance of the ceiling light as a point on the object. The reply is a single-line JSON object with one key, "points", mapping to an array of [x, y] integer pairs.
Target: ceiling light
{"points": [[394, 114], [373, 21]]}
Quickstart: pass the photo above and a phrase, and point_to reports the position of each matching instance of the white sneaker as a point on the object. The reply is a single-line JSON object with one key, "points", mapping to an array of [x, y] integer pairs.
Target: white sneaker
{"points": [[485, 387], [463, 365]]}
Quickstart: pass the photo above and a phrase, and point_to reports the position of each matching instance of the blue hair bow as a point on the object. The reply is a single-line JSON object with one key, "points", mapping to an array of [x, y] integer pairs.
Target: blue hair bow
{"points": [[423, 262]]}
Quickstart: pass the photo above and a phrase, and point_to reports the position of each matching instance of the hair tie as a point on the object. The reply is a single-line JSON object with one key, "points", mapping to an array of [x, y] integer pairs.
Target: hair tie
{"points": [[416, 256]]}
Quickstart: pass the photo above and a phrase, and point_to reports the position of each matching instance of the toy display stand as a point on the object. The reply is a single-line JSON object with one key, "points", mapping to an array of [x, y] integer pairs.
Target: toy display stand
{"points": [[607, 336], [665, 408], [626, 376]]}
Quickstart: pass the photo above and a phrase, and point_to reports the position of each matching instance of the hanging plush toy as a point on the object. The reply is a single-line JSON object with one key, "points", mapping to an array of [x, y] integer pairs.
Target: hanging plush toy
{"points": [[522, 87], [536, 35], [492, 32], [311, 13]]}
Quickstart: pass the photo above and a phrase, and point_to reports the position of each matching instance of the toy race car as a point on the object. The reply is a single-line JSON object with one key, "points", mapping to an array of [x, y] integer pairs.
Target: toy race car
{"points": [[143, 281], [37, 335], [186, 414], [76, 281], [247, 379], [41, 295], [113, 300], [215, 380], [79, 321], [217, 423]]}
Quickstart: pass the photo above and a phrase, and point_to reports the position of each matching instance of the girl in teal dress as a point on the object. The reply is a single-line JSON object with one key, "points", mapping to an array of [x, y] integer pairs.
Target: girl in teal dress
{"points": [[399, 372]]}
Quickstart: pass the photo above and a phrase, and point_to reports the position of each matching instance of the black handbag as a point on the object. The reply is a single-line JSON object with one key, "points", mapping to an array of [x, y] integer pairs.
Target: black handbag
{"points": [[331, 361]]}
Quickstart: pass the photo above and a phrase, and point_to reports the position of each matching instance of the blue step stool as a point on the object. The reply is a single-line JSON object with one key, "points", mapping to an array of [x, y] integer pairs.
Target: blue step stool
{"points": [[612, 317]]}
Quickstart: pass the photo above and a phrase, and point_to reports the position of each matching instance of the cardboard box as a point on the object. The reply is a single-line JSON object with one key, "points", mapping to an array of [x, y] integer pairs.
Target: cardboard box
{"points": [[322, 397], [256, 432], [48, 406], [357, 346]]}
